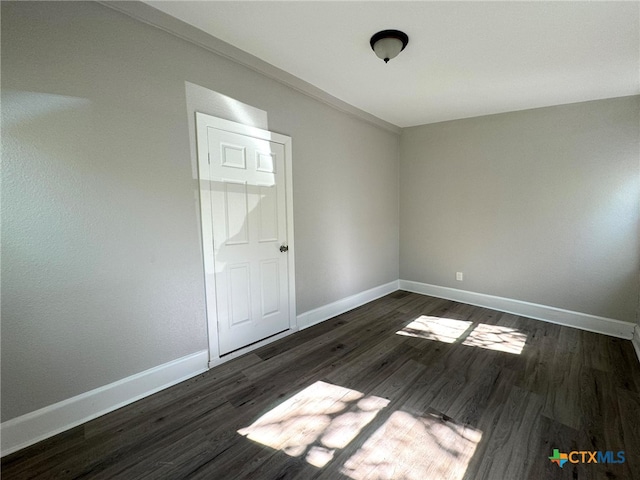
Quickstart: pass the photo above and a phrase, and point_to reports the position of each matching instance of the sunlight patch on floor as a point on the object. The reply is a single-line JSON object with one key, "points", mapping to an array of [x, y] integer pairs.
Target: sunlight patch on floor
{"points": [[447, 330], [435, 328], [315, 422], [412, 447], [494, 337]]}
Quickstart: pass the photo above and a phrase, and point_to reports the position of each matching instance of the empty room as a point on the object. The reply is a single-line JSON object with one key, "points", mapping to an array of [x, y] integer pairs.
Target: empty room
{"points": [[320, 240]]}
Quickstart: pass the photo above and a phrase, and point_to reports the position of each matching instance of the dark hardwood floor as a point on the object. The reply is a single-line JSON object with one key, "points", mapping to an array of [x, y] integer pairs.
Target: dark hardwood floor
{"points": [[461, 392]]}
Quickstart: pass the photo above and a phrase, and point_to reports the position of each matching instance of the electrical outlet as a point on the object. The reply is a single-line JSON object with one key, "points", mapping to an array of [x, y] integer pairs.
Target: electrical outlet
{"points": [[459, 276]]}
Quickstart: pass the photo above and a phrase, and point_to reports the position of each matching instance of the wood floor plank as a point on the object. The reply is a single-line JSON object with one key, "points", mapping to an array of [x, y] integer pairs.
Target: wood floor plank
{"points": [[562, 399], [513, 439], [282, 467], [365, 358], [26, 463], [485, 420], [488, 402], [595, 352], [629, 405], [470, 401], [556, 435], [601, 423], [621, 356]]}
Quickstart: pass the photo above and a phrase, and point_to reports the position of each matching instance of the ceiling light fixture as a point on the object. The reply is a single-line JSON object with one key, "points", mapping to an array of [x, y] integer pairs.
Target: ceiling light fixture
{"points": [[388, 43]]}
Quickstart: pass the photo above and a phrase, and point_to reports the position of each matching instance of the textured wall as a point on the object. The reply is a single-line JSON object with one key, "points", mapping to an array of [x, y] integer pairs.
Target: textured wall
{"points": [[540, 205], [101, 265]]}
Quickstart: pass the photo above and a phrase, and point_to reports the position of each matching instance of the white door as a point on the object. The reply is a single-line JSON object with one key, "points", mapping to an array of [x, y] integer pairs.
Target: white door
{"points": [[242, 178]]}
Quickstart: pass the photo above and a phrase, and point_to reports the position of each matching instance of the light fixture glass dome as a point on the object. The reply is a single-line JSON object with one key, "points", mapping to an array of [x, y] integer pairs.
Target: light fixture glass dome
{"points": [[388, 43], [387, 48]]}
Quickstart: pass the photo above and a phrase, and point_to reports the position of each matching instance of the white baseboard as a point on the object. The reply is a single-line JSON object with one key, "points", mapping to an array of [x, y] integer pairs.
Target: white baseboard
{"points": [[636, 340], [583, 321], [33, 427], [320, 314]]}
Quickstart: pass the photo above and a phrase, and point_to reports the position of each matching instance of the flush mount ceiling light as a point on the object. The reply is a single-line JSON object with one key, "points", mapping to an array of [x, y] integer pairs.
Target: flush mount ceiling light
{"points": [[388, 43]]}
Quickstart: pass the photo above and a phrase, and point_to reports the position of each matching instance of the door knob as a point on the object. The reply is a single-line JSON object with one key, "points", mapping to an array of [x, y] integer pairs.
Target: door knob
{"points": [[284, 248]]}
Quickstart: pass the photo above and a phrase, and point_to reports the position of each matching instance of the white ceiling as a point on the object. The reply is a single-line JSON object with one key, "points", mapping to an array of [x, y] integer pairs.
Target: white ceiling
{"points": [[464, 59]]}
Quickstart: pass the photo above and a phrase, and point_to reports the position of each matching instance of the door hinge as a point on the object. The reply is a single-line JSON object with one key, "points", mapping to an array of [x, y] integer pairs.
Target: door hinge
{"points": [[209, 158]]}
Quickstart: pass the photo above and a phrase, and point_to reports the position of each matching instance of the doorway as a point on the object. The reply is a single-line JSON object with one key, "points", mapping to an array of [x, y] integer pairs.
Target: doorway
{"points": [[247, 230]]}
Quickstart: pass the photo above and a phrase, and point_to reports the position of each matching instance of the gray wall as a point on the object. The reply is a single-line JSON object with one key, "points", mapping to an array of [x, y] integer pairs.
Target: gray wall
{"points": [[102, 272], [538, 205]]}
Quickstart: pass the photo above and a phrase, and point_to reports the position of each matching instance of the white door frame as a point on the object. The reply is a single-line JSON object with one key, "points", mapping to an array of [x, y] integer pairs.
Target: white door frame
{"points": [[203, 122]]}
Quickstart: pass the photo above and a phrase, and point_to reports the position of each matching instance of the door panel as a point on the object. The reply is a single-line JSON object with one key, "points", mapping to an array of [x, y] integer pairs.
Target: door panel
{"points": [[268, 204], [270, 287], [233, 156], [236, 212], [239, 293]]}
